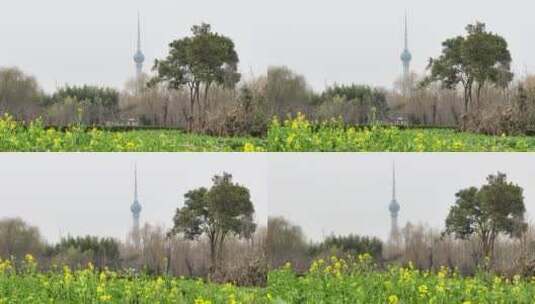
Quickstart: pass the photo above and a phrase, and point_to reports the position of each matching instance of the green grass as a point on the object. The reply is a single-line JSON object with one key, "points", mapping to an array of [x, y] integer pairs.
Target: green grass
{"points": [[292, 135]]}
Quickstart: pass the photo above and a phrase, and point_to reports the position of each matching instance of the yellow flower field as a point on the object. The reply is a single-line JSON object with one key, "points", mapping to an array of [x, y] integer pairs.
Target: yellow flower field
{"points": [[292, 135], [357, 280]]}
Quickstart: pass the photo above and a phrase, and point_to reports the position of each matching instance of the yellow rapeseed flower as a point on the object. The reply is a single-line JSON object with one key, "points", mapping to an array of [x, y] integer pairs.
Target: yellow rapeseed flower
{"points": [[249, 147], [393, 299], [105, 298], [423, 290]]}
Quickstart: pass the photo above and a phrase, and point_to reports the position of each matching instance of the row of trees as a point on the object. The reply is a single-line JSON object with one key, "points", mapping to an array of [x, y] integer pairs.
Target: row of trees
{"points": [[287, 243], [22, 97], [18, 238]]}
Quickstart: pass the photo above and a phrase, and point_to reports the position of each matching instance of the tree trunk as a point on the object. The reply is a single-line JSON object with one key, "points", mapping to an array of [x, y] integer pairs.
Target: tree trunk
{"points": [[213, 258], [168, 266], [191, 108], [205, 104], [220, 251], [478, 94], [466, 100], [198, 101], [165, 111]]}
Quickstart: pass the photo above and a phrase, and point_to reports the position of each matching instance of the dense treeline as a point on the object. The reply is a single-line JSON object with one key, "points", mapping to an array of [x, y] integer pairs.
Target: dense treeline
{"points": [[288, 244]]}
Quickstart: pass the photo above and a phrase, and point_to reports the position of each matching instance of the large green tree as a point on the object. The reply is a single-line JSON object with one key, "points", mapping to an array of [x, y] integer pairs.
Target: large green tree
{"points": [[199, 62], [223, 210], [475, 60], [495, 208]]}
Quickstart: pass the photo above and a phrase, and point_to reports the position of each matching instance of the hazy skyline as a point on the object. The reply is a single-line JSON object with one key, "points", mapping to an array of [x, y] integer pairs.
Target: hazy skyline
{"points": [[92, 42], [90, 194], [350, 193]]}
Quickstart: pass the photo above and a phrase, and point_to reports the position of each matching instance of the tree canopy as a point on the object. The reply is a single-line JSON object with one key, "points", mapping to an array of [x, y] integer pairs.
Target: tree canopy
{"points": [[107, 97], [479, 58], [217, 212], [351, 244], [366, 98], [495, 208], [199, 61], [103, 251]]}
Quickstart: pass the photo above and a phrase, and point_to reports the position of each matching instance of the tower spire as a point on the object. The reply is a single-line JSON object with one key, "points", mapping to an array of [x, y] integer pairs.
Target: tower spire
{"points": [[406, 58], [139, 58], [394, 208], [394, 181], [135, 182], [138, 32], [406, 33], [135, 208]]}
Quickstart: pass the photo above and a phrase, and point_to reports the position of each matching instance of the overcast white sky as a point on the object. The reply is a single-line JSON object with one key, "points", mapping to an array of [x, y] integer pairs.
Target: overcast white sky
{"points": [[80, 41], [324, 193], [80, 194], [350, 193]]}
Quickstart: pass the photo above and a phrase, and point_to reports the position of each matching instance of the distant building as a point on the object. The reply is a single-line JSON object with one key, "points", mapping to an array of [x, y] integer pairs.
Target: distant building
{"points": [[139, 57], [406, 58], [394, 207], [135, 208]]}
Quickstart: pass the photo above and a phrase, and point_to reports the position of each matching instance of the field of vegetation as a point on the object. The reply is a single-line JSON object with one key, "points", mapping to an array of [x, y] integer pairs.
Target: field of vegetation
{"points": [[26, 285], [292, 135], [34, 137], [358, 281], [351, 280]]}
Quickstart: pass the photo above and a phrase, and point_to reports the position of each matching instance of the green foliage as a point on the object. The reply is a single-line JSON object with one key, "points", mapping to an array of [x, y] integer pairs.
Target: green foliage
{"points": [[355, 280], [479, 58], [203, 60], [34, 137], [207, 58], [497, 207], [93, 95], [291, 135], [366, 98], [351, 244], [224, 209], [102, 250], [300, 135], [25, 285]]}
